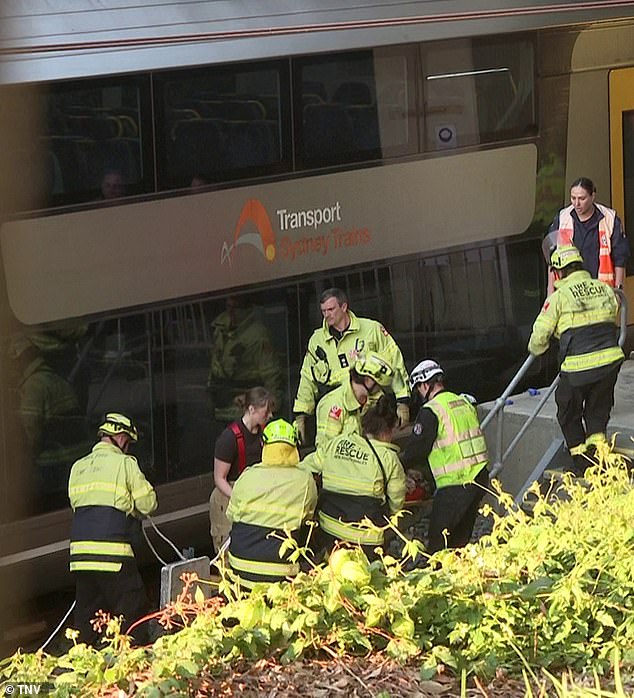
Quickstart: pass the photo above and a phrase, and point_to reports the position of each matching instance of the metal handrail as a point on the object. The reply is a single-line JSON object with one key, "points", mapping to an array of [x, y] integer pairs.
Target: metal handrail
{"points": [[500, 403]]}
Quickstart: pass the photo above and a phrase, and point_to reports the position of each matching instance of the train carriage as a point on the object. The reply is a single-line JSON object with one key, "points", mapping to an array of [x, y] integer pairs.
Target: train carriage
{"points": [[163, 161]]}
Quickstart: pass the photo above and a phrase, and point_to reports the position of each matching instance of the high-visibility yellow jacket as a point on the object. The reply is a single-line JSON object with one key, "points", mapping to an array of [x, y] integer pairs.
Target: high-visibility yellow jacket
{"points": [[582, 313], [459, 452], [242, 357], [360, 478], [362, 335], [52, 418], [106, 489], [338, 412], [266, 500]]}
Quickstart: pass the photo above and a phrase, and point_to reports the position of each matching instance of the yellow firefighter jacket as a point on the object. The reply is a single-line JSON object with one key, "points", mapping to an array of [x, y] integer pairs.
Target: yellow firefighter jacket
{"points": [[581, 313], [268, 499], [106, 490], [327, 361], [360, 478]]}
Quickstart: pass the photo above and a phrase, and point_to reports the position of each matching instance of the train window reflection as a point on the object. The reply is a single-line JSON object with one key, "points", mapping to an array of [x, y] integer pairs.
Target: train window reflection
{"points": [[61, 383], [214, 351], [355, 106], [88, 141], [219, 124], [477, 91]]}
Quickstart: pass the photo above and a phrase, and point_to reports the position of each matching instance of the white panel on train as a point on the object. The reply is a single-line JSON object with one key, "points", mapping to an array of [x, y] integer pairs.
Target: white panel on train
{"points": [[74, 38]]}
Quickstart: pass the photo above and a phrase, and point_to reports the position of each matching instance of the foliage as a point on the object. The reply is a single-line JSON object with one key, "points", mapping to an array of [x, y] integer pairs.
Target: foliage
{"points": [[549, 590]]}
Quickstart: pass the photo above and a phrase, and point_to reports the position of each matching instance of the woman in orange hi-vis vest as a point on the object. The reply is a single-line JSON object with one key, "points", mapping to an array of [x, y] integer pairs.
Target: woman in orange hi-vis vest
{"points": [[595, 230]]}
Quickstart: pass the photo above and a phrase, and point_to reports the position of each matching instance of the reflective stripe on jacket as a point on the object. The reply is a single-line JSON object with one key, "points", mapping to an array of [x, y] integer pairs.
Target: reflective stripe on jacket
{"points": [[267, 502], [100, 539], [105, 489], [354, 486], [582, 313], [361, 336], [606, 228], [459, 452]]}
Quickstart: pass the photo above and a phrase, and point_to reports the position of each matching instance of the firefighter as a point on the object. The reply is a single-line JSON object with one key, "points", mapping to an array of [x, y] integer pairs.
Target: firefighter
{"points": [[52, 420], [581, 313], [362, 477], [242, 355], [332, 350], [270, 500], [447, 441], [108, 494], [339, 411]]}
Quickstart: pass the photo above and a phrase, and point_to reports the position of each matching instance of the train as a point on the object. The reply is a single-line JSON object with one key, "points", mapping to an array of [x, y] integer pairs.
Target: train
{"points": [[163, 162]]}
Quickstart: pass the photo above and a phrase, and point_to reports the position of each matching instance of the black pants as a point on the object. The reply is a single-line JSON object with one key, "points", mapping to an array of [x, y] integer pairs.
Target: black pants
{"points": [[118, 593], [584, 410], [326, 542], [455, 509]]}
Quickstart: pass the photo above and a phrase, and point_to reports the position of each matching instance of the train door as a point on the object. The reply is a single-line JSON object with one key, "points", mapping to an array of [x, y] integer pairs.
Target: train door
{"points": [[622, 159]]}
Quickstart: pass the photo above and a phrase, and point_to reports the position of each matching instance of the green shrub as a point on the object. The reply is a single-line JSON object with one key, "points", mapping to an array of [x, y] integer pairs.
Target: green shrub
{"points": [[552, 590]]}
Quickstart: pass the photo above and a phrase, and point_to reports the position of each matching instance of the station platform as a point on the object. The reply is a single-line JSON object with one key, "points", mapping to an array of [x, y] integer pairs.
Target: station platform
{"points": [[544, 432]]}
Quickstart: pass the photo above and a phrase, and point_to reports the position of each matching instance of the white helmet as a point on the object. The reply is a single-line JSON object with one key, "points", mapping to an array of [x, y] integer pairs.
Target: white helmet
{"points": [[423, 372]]}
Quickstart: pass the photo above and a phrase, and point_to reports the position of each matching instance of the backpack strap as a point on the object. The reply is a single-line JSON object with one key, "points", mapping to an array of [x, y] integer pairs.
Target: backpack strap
{"points": [[242, 449], [380, 465]]}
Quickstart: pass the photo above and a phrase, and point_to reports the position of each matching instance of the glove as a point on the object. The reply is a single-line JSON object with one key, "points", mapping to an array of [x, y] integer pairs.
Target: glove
{"points": [[402, 412], [300, 424]]}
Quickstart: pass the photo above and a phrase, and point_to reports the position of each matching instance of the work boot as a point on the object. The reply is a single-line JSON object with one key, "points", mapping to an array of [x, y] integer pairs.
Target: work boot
{"points": [[579, 460], [579, 465]]}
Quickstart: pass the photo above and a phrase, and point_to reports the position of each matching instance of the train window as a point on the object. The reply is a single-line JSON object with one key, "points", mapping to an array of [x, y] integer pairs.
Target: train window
{"points": [[213, 351], [60, 383], [354, 107], [219, 124], [85, 144], [477, 91]]}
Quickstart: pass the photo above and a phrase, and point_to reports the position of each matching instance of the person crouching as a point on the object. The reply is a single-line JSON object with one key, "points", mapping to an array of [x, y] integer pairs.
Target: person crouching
{"points": [[270, 500]]}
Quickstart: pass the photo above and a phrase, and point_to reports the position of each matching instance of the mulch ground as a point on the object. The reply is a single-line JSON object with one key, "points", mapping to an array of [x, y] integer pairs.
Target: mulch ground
{"points": [[345, 678]]}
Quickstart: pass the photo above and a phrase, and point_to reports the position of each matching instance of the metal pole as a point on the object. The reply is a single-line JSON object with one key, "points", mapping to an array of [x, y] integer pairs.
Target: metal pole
{"points": [[501, 401], [531, 419]]}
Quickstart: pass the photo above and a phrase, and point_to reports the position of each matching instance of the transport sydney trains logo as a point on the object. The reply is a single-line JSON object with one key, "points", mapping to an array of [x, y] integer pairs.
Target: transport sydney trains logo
{"points": [[299, 232], [253, 214]]}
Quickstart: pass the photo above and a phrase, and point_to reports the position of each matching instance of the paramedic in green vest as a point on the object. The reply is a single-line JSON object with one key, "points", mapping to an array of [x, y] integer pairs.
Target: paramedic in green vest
{"points": [[269, 501], [108, 494], [333, 349], [582, 314], [340, 410], [446, 439]]}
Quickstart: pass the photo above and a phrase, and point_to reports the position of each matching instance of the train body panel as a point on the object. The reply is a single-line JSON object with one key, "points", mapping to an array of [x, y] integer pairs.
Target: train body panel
{"points": [[134, 36]]}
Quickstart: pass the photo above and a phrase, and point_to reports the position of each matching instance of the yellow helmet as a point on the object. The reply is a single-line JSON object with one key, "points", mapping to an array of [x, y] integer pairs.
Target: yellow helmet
{"points": [[280, 431], [115, 423], [376, 367], [565, 255]]}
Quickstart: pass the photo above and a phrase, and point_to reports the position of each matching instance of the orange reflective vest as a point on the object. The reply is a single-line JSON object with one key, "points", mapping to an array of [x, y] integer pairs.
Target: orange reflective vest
{"points": [[606, 227]]}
